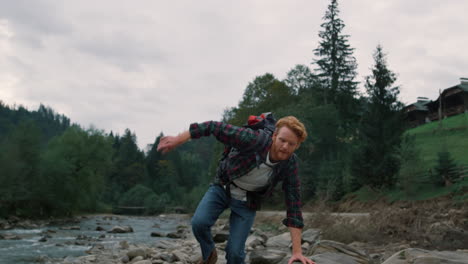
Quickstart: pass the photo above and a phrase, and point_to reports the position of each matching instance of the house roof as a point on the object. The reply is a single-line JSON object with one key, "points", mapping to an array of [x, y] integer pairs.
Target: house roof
{"points": [[418, 106]]}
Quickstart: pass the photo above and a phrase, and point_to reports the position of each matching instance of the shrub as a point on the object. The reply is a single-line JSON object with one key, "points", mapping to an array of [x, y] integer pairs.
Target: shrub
{"points": [[136, 196]]}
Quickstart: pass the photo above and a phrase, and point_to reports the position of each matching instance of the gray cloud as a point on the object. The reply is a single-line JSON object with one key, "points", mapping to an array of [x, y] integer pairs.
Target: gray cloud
{"points": [[155, 66]]}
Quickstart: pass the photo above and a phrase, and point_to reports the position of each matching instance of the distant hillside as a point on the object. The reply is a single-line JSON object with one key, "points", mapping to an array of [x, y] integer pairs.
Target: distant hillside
{"points": [[450, 135], [48, 122]]}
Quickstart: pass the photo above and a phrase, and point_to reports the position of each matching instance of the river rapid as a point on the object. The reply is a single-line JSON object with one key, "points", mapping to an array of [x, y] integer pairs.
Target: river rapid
{"points": [[73, 238]]}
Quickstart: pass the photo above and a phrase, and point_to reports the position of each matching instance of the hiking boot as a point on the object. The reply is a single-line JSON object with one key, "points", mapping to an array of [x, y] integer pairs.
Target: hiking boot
{"points": [[211, 259]]}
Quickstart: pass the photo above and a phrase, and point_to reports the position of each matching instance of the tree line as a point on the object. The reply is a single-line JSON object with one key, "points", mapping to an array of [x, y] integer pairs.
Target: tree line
{"points": [[50, 167]]}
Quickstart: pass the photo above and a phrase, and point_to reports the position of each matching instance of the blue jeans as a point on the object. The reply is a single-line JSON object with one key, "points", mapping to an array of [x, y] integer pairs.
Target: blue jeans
{"points": [[241, 220]]}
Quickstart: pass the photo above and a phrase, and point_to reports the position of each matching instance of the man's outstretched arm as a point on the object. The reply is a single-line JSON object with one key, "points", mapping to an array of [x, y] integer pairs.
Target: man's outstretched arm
{"points": [[296, 236], [169, 143]]}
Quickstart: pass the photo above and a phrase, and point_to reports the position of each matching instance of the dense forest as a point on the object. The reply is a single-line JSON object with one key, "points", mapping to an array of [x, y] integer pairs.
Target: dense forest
{"points": [[51, 167]]}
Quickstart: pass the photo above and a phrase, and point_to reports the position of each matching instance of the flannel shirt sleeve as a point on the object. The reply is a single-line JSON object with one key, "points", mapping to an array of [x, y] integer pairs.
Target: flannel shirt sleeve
{"points": [[292, 194], [239, 137]]}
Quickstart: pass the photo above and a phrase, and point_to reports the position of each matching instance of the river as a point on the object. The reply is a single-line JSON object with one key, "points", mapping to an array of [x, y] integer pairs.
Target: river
{"points": [[63, 242]]}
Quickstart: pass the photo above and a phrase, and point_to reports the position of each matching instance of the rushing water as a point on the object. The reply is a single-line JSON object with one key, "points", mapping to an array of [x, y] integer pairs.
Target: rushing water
{"points": [[63, 242]]}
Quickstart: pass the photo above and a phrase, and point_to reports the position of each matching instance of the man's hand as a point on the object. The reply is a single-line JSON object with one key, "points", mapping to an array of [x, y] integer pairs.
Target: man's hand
{"points": [[169, 143], [301, 258], [296, 234]]}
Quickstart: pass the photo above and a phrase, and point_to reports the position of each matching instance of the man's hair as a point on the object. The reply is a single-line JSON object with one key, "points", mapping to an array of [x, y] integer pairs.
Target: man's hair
{"points": [[295, 125]]}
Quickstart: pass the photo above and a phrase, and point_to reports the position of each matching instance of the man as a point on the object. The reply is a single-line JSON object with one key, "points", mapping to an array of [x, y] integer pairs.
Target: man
{"points": [[261, 161]]}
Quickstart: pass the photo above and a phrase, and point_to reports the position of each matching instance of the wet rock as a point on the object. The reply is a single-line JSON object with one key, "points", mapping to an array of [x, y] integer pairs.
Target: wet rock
{"points": [[158, 234], [9, 237], [121, 229], [70, 228], [43, 239], [100, 228], [175, 235]]}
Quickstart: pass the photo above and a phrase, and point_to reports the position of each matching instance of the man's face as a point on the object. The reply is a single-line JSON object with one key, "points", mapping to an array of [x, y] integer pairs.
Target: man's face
{"points": [[285, 142]]}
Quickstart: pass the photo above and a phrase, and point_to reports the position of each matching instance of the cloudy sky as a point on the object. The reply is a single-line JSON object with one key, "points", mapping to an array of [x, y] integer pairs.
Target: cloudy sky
{"points": [[154, 65]]}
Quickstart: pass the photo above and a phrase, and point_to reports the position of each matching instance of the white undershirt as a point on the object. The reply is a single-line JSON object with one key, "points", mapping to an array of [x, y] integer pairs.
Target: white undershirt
{"points": [[254, 180]]}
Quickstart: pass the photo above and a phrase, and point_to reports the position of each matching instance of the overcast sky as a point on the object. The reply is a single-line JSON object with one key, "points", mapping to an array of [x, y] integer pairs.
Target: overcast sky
{"points": [[156, 66]]}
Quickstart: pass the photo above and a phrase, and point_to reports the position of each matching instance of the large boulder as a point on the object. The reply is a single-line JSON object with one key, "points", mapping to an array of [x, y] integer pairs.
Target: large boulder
{"points": [[421, 256], [328, 246], [267, 256], [333, 258], [280, 241], [311, 236]]}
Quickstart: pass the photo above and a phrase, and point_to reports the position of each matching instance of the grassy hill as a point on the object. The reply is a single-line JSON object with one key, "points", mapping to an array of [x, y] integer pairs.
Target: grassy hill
{"points": [[451, 135]]}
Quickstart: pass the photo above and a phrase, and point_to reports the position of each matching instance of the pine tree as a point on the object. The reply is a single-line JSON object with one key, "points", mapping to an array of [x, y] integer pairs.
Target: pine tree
{"points": [[337, 66], [337, 69], [376, 162]]}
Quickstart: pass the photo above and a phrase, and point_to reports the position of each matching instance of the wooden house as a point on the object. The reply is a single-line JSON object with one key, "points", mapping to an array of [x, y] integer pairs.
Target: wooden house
{"points": [[452, 101]]}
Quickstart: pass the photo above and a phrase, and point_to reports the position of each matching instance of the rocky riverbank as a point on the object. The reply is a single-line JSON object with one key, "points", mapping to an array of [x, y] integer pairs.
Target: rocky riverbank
{"points": [[269, 242], [262, 249]]}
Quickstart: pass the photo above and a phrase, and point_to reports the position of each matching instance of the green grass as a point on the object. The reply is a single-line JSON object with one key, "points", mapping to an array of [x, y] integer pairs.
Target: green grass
{"points": [[430, 139], [452, 136]]}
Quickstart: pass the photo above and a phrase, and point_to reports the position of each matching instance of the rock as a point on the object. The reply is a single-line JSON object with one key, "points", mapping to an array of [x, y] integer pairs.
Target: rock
{"points": [[43, 239], [4, 224], [143, 262], [89, 258], [100, 228], [138, 258], [421, 256], [333, 258], [165, 244], [133, 253], [311, 236], [157, 234], [325, 246], [70, 228], [266, 256], [254, 241], [175, 235], [9, 237], [123, 244], [125, 259], [221, 236], [167, 257], [180, 256], [95, 249], [280, 241], [121, 229]]}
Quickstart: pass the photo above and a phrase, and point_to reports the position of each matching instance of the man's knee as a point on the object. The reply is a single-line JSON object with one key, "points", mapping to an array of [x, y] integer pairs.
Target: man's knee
{"points": [[199, 223]]}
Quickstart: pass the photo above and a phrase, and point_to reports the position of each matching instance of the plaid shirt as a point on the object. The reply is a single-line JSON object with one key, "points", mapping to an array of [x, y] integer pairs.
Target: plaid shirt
{"points": [[254, 145]]}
